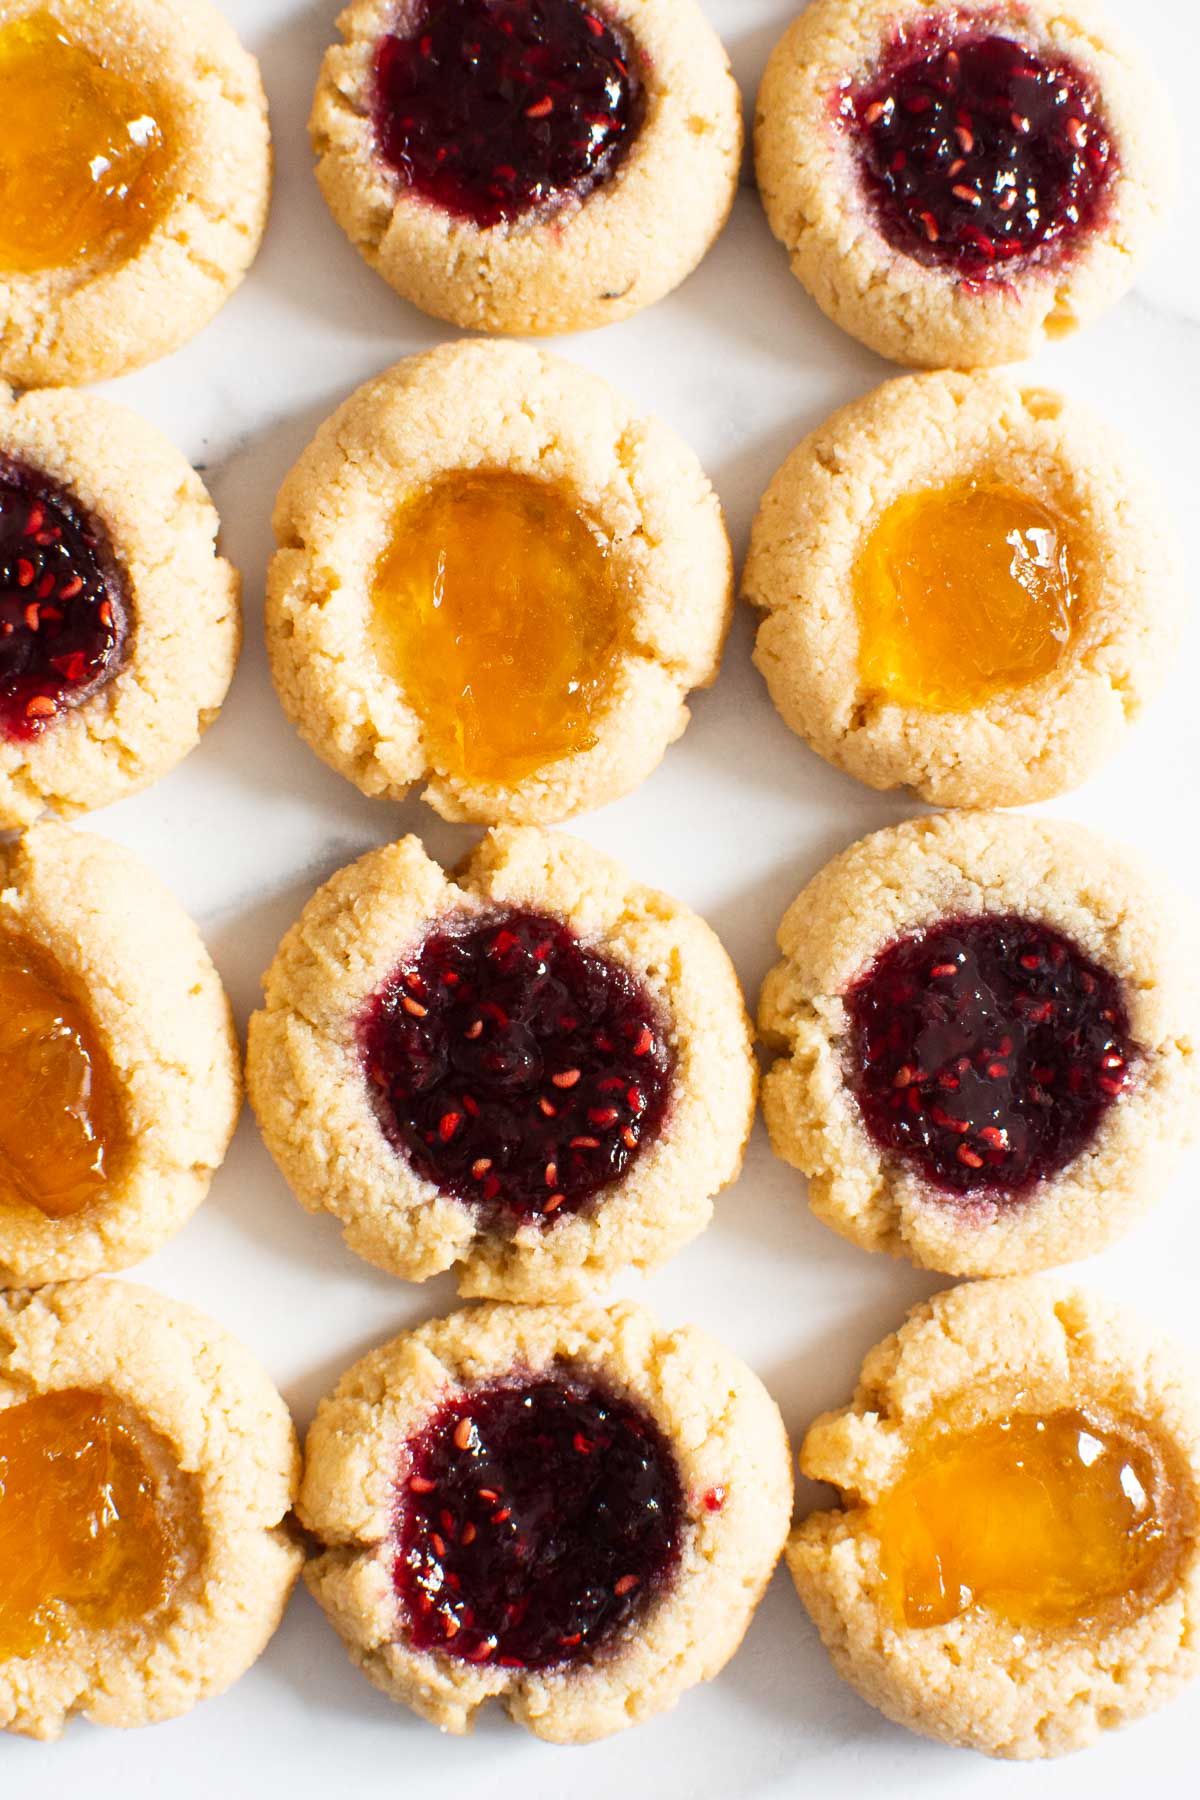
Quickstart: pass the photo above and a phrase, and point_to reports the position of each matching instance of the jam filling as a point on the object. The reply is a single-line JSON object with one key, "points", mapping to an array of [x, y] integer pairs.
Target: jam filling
{"points": [[534, 1522], [976, 151], [515, 1067], [494, 108], [986, 1051], [63, 618]]}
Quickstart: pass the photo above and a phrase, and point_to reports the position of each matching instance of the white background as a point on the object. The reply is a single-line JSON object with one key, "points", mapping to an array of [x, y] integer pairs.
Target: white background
{"points": [[740, 815]]}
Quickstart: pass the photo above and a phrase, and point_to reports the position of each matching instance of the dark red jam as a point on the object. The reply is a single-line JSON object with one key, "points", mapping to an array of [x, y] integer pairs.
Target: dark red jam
{"points": [[515, 1067], [533, 1523], [977, 151], [495, 108], [63, 618], [985, 1052]]}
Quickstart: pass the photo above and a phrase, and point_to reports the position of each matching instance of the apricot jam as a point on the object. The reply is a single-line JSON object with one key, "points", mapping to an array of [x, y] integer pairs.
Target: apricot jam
{"points": [[1040, 1519], [962, 592], [59, 1121], [496, 610], [82, 155], [86, 1535]]}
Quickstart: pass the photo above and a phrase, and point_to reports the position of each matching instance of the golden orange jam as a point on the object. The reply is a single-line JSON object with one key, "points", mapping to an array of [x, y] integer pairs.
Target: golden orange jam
{"points": [[961, 592], [82, 155], [87, 1537], [1039, 1519], [59, 1117], [496, 609]]}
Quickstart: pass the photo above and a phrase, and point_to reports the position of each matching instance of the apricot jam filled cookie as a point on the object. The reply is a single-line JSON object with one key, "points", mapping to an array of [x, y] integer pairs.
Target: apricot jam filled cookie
{"points": [[134, 175], [967, 589], [566, 1509], [538, 1070], [147, 1467], [119, 1065], [957, 184], [496, 578], [1013, 1566], [520, 165], [986, 1033]]}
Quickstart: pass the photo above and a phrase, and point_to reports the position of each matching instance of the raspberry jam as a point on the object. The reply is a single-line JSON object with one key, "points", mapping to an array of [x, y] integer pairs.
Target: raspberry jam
{"points": [[534, 1522], [63, 618], [515, 1067], [495, 108], [986, 1051], [978, 151]]}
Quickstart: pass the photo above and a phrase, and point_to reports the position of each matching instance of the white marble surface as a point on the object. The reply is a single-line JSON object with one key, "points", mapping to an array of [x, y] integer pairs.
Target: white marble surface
{"points": [[738, 817]]}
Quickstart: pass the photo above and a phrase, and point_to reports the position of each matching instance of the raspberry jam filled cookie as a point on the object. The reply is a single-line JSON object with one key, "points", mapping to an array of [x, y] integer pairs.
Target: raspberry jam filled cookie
{"points": [[565, 1509], [967, 588], [958, 184], [517, 165], [134, 175], [539, 1070], [1013, 1565], [119, 1064], [496, 578], [986, 1029], [148, 1467]]}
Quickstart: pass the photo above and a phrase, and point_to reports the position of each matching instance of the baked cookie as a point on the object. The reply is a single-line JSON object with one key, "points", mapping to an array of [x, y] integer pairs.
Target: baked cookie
{"points": [[135, 171], [119, 1063], [494, 576], [119, 624], [533, 167], [567, 1509], [968, 589], [959, 184], [149, 1466], [1013, 1566], [539, 1070], [986, 1029]]}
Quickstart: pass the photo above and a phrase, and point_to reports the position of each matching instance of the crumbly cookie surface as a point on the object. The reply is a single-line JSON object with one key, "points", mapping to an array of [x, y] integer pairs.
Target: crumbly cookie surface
{"points": [[125, 950], [311, 1096], [960, 866], [972, 1354], [923, 432], [929, 316], [724, 1430], [578, 264], [237, 1462], [479, 405]]}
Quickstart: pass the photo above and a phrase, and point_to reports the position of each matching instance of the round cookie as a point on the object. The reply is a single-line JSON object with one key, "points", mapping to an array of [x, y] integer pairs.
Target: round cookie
{"points": [[1000, 666], [1109, 1639], [118, 1060], [120, 625], [398, 666], [150, 1467], [135, 176], [557, 215], [986, 1033], [958, 185], [538, 1070], [672, 1492]]}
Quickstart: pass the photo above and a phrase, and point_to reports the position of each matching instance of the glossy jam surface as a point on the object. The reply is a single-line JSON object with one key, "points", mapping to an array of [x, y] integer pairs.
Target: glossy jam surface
{"points": [[533, 1522], [59, 1119], [82, 155], [986, 1051], [515, 1067], [87, 1537], [1039, 1519], [962, 592], [63, 618], [976, 152], [496, 108], [496, 610]]}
